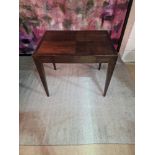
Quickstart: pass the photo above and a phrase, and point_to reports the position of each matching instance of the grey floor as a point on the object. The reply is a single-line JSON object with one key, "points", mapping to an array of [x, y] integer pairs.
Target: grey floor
{"points": [[76, 112]]}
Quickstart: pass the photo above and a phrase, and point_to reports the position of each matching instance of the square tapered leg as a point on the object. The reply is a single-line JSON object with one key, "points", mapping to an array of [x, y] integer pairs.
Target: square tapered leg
{"points": [[40, 68], [99, 67], [54, 66], [111, 66]]}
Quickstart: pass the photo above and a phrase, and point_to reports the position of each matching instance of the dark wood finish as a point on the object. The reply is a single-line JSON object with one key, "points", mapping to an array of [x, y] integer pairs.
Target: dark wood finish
{"points": [[99, 67], [111, 66], [75, 47], [41, 72], [54, 66]]}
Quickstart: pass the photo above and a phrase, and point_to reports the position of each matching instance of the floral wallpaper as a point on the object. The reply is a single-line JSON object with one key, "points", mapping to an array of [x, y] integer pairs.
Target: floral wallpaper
{"points": [[36, 16]]}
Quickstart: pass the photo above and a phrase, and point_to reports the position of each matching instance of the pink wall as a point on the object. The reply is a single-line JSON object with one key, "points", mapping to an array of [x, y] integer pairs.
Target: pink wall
{"points": [[36, 16]]}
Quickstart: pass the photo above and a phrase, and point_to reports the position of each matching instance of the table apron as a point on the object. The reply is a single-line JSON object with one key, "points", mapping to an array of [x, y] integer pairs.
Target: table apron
{"points": [[75, 59]]}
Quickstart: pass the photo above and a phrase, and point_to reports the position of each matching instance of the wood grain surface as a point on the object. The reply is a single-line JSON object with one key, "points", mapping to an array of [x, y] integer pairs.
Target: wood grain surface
{"points": [[75, 47], [95, 149], [76, 43]]}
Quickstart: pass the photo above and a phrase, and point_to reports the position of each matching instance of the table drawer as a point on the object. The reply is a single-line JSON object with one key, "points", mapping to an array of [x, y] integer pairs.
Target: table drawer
{"points": [[74, 59]]}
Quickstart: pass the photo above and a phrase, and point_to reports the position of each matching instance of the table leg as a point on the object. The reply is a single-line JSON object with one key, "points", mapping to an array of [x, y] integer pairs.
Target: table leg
{"points": [[54, 66], [40, 68], [111, 66], [99, 67]]}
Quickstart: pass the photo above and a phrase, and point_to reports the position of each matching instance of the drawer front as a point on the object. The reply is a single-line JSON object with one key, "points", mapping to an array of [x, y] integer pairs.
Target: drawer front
{"points": [[74, 59]]}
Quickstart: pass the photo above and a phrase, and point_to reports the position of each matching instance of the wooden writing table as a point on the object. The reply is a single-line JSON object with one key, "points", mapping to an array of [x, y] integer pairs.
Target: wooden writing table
{"points": [[75, 47]]}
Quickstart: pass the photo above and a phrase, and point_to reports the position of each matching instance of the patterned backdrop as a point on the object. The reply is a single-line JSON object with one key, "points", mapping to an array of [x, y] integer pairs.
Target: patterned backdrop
{"points": [[36, 16]]}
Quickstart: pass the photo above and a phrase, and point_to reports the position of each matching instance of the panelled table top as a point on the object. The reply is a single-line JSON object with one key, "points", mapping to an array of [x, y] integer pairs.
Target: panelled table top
{"points": [[75, 47], [75, 43]]}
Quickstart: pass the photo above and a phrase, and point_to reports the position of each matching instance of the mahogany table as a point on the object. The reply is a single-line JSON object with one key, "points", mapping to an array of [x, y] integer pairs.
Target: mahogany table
{"points": [[75, 47]]}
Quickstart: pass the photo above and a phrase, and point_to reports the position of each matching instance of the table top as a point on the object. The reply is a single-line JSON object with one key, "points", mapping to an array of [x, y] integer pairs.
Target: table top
{"points": [[82, 43]]}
